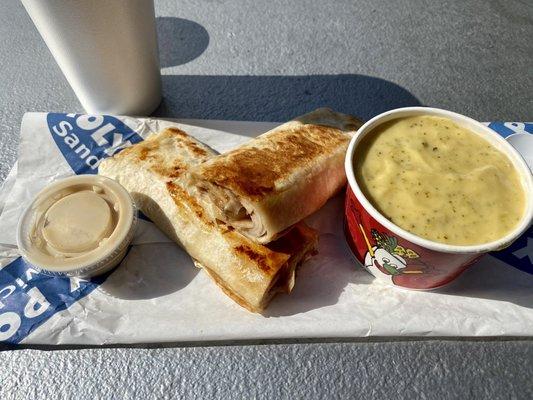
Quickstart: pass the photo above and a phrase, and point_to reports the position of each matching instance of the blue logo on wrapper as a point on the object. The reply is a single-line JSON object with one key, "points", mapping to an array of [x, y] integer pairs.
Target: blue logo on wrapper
{"points": [[508, 128], [29, 298], [520, 253], [85, 140]]}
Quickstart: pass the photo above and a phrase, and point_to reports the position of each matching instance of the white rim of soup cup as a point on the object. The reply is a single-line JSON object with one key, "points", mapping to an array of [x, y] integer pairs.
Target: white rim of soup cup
{"points": [[472, 125]]}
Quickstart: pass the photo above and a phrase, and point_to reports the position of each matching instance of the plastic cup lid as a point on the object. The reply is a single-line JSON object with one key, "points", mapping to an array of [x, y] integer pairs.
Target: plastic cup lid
{"points": [[78, 226]]}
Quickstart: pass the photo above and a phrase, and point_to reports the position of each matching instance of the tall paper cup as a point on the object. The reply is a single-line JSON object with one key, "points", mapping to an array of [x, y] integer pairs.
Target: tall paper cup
{"points": [[106, 49]]}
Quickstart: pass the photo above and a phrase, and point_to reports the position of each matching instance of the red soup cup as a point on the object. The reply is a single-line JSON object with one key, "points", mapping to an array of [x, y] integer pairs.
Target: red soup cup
{"points": [[401, 258]]}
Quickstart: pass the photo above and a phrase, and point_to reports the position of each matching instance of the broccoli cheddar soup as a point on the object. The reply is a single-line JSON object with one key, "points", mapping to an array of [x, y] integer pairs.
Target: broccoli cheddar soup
{"points": [[440, 181]]}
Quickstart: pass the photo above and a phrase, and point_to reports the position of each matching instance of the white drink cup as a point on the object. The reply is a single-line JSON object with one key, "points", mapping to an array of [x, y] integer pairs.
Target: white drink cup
{"points": [[107, 50]]}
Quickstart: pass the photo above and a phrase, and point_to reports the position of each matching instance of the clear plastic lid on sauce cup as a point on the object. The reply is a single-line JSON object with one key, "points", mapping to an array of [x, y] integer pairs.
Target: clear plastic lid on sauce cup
{"points": [[79, 226]]}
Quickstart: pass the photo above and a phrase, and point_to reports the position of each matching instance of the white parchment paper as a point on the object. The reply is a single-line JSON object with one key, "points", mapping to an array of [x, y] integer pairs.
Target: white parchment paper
{"points": [[157, 295]]}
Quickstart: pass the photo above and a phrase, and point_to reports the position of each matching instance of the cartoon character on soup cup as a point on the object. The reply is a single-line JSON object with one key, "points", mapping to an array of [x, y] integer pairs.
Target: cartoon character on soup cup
{"points": [[388, 259], [386, 262]]}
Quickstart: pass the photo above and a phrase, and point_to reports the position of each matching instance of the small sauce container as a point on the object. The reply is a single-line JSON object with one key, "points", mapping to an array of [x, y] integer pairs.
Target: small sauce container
{"points": [[79, 226], [427, 264]]}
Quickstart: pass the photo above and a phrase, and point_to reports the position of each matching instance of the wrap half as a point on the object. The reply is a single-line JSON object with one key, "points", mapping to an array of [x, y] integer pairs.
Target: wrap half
{"points": [[266, 185], [154, 172]]}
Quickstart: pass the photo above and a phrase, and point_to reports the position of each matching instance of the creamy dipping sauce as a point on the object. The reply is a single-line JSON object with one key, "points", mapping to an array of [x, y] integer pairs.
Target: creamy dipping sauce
{"points": [[80, 226], [439, 181], [79, 220]]}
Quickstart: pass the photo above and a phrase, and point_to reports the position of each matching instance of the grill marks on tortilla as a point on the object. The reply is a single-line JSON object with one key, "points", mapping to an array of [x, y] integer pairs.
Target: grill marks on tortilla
{"points": [[157, 150], [192, 146], [153, 152], [249, 273], [182, 198], [171, 171], [257, 168], [266, 259], [293, 242], [258, 258]]}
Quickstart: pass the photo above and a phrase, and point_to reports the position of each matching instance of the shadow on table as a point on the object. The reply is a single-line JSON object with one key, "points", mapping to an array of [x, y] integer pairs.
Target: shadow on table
{"points": [[180, 40], [493, 279], [321, 280], [277, 98], [153, 274]]}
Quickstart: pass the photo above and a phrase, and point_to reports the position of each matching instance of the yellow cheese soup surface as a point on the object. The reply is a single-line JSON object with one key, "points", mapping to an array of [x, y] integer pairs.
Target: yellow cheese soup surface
{"points": [[439, 181]]}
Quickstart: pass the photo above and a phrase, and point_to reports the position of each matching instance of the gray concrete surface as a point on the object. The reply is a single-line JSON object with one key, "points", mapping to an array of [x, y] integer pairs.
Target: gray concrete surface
{"points": [[410, 370], [271, 60]]}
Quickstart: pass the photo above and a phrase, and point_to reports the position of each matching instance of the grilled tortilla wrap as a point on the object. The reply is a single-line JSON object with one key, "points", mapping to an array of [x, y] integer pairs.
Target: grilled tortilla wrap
{"points": [[154, 172], [266, 185]]}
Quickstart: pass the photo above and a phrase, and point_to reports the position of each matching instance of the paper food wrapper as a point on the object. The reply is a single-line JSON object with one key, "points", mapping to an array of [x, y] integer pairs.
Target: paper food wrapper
{"points": [[158, 295]]}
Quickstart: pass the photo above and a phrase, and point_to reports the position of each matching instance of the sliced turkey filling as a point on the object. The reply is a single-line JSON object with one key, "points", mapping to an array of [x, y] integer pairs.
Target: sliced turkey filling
{"points": [[226, 206]]}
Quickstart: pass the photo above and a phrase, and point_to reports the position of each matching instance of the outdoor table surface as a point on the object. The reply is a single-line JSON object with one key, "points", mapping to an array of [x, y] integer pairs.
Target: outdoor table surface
{"points": [[269, 61]]}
